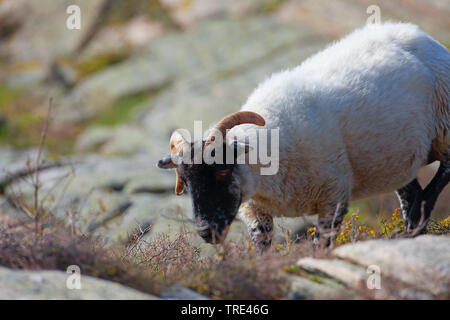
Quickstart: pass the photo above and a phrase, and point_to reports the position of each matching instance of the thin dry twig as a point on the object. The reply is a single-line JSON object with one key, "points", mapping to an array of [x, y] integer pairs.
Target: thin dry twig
{"points": [[36, 183]]}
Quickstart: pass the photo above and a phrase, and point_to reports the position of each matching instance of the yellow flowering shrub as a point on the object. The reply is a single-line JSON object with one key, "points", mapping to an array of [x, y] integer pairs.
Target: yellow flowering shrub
{"points": [[393, 227], [352, 231], [287, 246], [439, 227], [311, 232]]}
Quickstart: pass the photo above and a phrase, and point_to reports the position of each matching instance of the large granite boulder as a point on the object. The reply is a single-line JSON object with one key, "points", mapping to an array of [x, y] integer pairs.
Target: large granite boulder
{"points": [[416, 268], [216, 60], [45, 285]]}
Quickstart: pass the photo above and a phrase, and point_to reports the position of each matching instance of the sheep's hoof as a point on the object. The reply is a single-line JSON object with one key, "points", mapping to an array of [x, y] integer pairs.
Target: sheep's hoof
{"points": [[262, 243], [418, 215], [263, 246]]}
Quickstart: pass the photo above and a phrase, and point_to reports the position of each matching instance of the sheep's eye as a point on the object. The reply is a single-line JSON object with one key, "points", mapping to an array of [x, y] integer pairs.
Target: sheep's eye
{"points": [[221, 173]]}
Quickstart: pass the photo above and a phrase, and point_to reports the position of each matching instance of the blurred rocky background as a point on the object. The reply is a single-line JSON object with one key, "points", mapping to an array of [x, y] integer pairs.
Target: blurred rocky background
{"points": [[135, 71]]}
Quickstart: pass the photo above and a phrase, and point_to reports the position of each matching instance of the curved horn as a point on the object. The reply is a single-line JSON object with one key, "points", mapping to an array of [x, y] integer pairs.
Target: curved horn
{"points": [[237, 118], [176, 146], [176, 143]]}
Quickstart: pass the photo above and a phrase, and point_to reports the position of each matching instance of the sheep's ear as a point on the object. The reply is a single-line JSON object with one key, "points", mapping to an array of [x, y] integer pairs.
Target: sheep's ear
{"points": [[166, 163], [241, 147], [179, 187]]}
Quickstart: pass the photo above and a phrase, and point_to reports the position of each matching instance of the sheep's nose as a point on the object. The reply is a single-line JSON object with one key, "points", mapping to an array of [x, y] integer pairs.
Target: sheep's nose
{"points": [[206, 234], [210, 235]]}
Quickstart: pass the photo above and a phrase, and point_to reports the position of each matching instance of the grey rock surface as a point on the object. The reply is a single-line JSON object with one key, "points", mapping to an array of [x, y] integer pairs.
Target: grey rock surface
{"points": [[423, 262], [416, 268], [343, 271], [47, 25], [44, 285], [302, 288], [205, 60]]}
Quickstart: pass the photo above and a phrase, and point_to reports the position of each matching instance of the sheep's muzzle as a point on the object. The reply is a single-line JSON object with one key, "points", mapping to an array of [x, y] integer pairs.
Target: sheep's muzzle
{"points": [[211, 235]]}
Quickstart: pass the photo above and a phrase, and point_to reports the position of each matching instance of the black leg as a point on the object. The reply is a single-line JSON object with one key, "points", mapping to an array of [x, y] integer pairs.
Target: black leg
{"points": [[424, 203], [407, 196]]}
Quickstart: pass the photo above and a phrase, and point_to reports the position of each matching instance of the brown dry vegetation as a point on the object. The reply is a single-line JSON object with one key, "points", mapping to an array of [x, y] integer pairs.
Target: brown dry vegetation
{"points": [[233, 272]]}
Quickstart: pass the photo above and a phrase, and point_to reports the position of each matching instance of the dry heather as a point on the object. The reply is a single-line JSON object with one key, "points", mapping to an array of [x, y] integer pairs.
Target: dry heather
{"points": [[233, 272]]}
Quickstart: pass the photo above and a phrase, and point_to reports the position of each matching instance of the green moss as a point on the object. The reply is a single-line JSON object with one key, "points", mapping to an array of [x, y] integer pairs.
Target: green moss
{"points": [[100, 61], [21, 122], [3, 124], [271, 5], [121, 111], [125, 10], [291, 269], [315, 278], [8, 96]]}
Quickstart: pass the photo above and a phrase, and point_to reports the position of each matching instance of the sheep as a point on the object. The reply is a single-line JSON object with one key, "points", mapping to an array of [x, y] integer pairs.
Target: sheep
{"points": [[358, 119]]}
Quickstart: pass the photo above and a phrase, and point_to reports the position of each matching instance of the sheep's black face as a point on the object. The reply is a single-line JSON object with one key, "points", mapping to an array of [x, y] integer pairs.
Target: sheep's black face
{"points": [[216, 197], [215, 190]]}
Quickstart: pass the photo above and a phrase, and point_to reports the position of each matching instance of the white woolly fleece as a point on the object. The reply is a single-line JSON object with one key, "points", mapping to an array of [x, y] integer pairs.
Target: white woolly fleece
{"points": [[356, 119]]}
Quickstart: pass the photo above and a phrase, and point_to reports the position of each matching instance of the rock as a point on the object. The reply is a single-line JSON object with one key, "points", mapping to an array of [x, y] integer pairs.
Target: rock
{"points": [[422, 262], [122, 140], [127, 140], [409, 268], [295, 226], [109, 215], [146, 184], [165, 213], [92, 184], [347, 273], [15, 164], [42, 285], [46, 24], [344, 16], [203, 57], [187, 14], [321, 288], [12, 160], [122, 37], [180, 293], [25, 75], [8, 211], [341, 16], [93, 138], [13, 13]]}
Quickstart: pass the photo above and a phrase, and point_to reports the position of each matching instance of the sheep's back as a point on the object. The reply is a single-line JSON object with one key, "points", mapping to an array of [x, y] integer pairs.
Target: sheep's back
{"points": [[370, 94]]}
